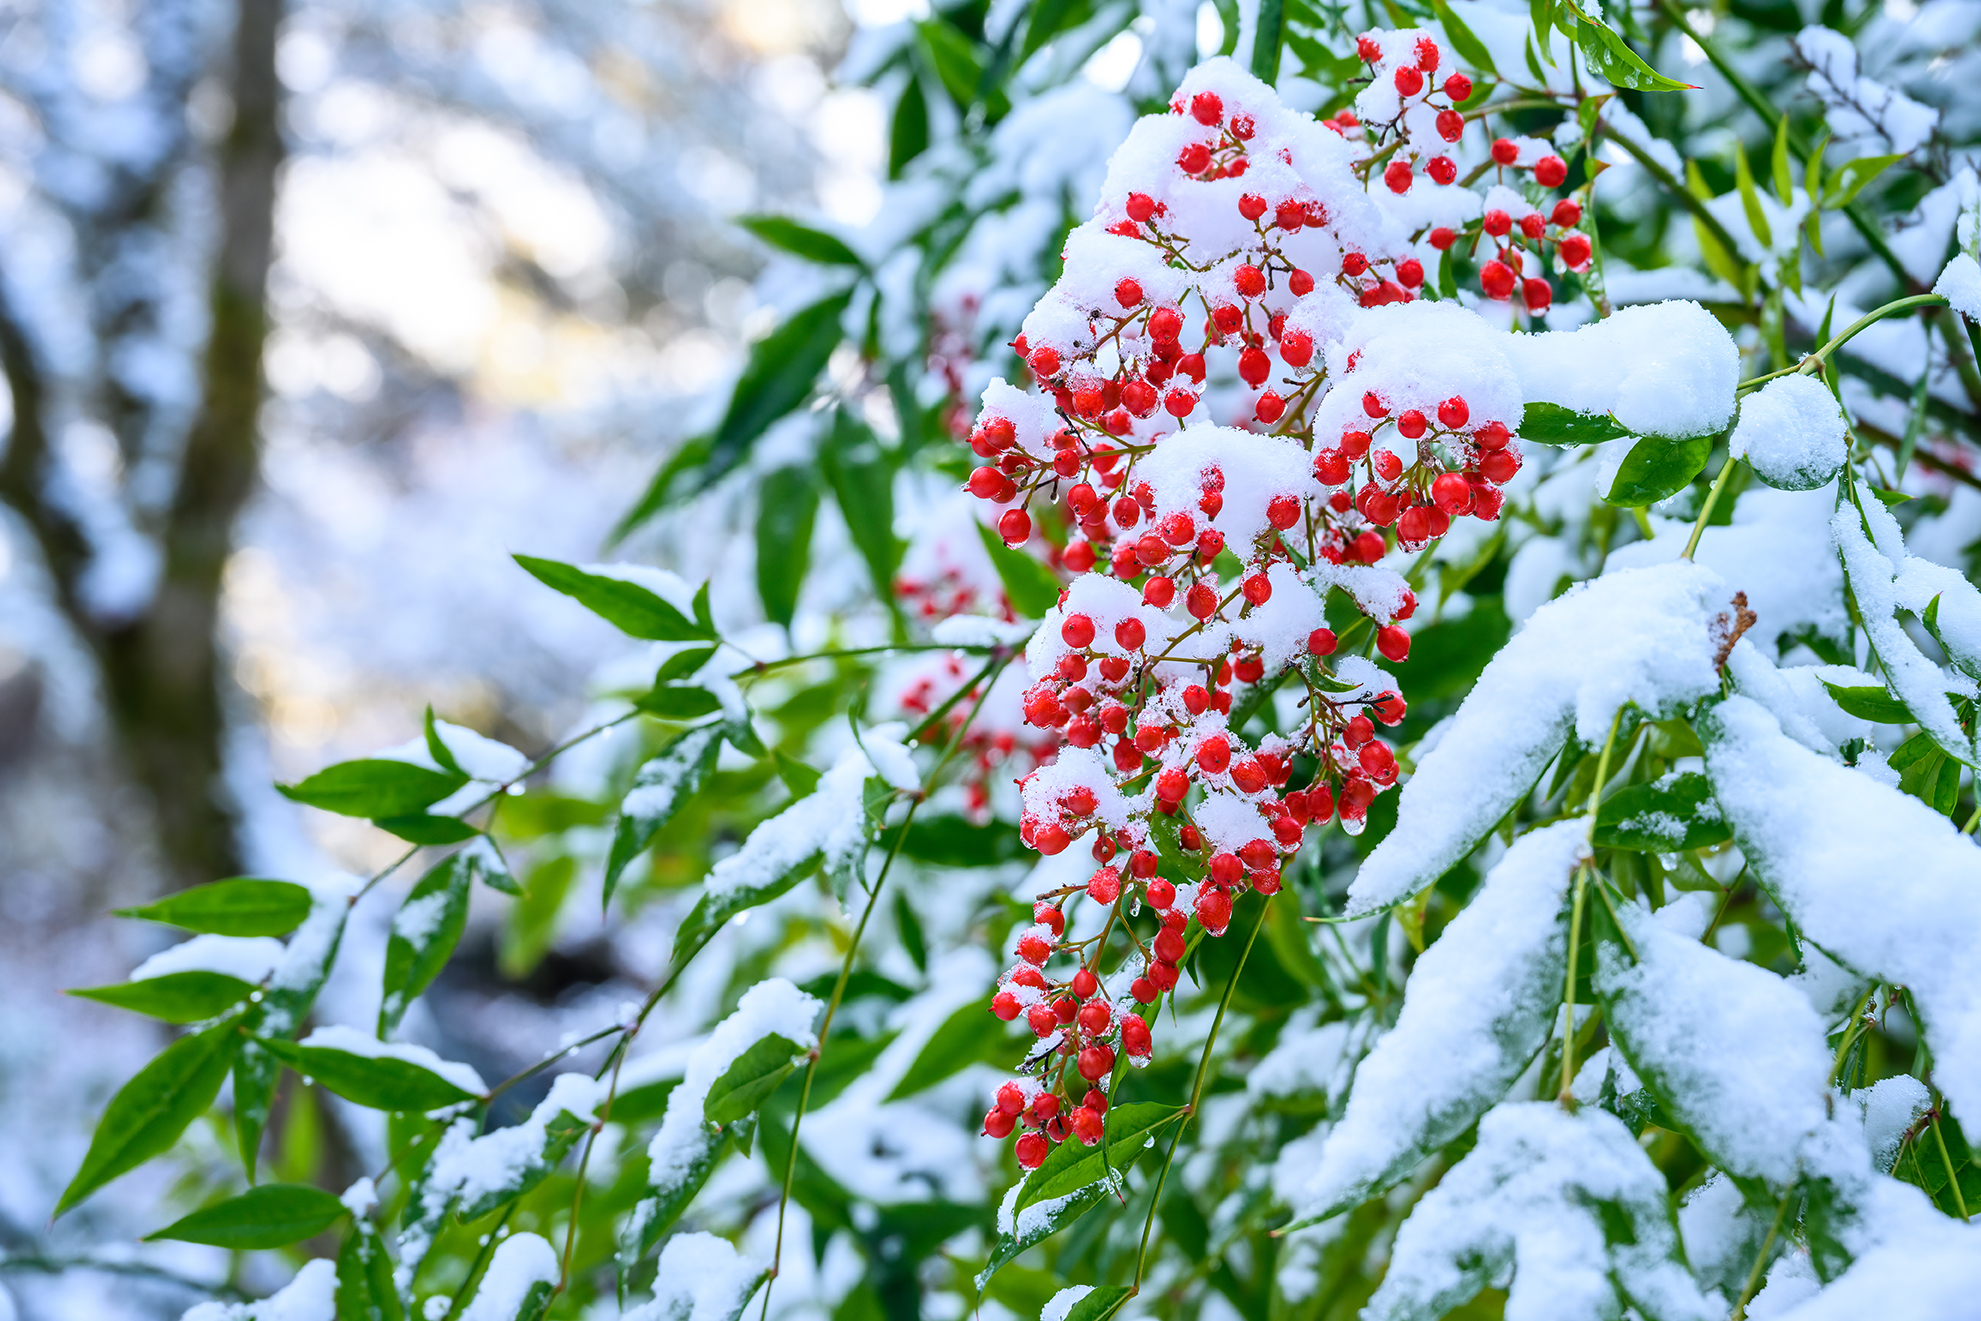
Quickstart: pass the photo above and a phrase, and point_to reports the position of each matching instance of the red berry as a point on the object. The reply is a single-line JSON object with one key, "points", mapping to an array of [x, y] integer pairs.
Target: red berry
{"points": [[1042, 1020], [1250, 282], [1397, 174], [1375, 756], [1142, 864], [1296, 347], [1207, 108], [1411, 423], [1209, 542], [1015, 527], [1290, 215], [1130, 634], [1077, 631], [1095, 1017], [1161, 893], [1258, 589], [1044, 1106], [1134, 1035], [1442, 238], [1096, 1063], [1374, 405], [1321, 642], [1172, 785], [1496, 279], [1200, 600], [1354, 263], [1159, 591], [1497, 223], [1454, 412], [1254, 366], [1331, 467], [1194, 159], [1005, 1005], [1299, 283], [1270, 408], [1179, 402], [1143, 990], [1283, 511], [1505, 151], [1575, 251], [1140, 207], [985, 483], [1499, 465], [1408, 81], [1195, 700], [1257, 853], [1011, 1098], [1251, 206], [1367, 49], [1226, 869], [1394, 643], [1050, 840], [1128, 293], [997, 1124], [1427, 54], [1355, 444], [1032, 1150], [1044, 362], [1287, 831], [1550, 171], [1358, 731], [1452, 493], [1458, 87], [1103, 887], [1214, 754], [1086, 1125], [1413, 527], [1248, 775], [1566, 213], [1442, 169], [1537, 294], [1165, 324], [1214, 910], [1388, 466]]}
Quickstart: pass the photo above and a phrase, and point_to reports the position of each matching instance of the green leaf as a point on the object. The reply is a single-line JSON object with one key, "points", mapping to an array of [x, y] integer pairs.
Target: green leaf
{"points": [[682, 664], [798, 777], [627, 606], [1871, 703], [1072, 1165], [177, 997], [677, 1186], [956, 841], [801, 240], [908, 134], [678, 702], [787, 503], [1843, 186], [424, 933], [380, 1082], [777, 378], [255, 1072], [750, 1078], [149, 1112], [1031, 586], [1470, 49], [1103, 1302], [365, 1291], [862, 480], [1611, 57], [294, 987], [525, 1169], [659, 789], [1541, 14], [1673, 815], [374, 787], [271, 1216], [427, 830], [1750, 198], [1778, 163], [245, 906], [970, 1035], [1657, 468], [1447, 279], [1553, 424], [1268, 35], [1048, 19], [955, 63]]}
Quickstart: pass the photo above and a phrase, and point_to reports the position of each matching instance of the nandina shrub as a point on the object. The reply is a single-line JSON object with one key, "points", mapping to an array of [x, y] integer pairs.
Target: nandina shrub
{"points": [[1378, 954]]}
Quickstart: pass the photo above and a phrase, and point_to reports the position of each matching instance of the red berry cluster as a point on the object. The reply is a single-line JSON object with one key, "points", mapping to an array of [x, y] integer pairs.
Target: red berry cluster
{"points": [[1498, 277], [1413, 86], [1225, 252]]}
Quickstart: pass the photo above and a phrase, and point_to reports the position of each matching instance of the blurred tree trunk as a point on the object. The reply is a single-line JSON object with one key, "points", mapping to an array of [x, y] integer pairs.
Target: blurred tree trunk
{"points": [[162, 669]]}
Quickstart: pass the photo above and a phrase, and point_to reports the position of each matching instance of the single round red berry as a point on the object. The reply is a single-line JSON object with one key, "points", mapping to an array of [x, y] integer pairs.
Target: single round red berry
{"points": [[1086, 1125], [1413, 526], [1299, 283], [1398, 174], [1128, 293], [1442, 238], [997, 1124], [1359, 730], [1258, 589], [1140, 207], [1283, 511], [1454, 412], [1321, 642], [1451, 127], [1251, 206], [1550, 171], [1254, 366], [1442, 169], [1095, 1017], [1408, 81], [1142, 864], [1143, 990], [1077, 631], [1213, 755], [1296, 347], [1374, 405], [1214, 910], [1497, 222], [1104, 886], [1458, 87], [1096, 1063], [1353, 263], [1411, 423], [1250, 282], [1394, 643], [1207, 108], [1575, 251], [1179, 402], [1194, 159], [1050, 840], [1566, 213], [1165, 324], [1015, 526], [1452, 493], [1200, 600], [1032, 1150], [1159, 591], [1505, 151], [1498, 466], [1410, 273], [1130, 634], [1270, 408], [1044, 362], [1537, 294], [1161, 893], [1248, 775], [1496, 279], [1005, 1005]]}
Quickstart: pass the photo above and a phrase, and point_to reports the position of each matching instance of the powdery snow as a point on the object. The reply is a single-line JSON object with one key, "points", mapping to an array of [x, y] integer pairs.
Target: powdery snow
{"points": [[1873, 876], [1792, 433], [831, 821], [1960, 284], [470, 1168], [1477, 1007], [311, 1296], [1525, 1200], [1933, 1274], [701, 1278], [1061, 1304], [521, 1263], [1734, 1050], [250, 958], [1860, 109], [1663, 369], [353, 1042], [1637, 636]]}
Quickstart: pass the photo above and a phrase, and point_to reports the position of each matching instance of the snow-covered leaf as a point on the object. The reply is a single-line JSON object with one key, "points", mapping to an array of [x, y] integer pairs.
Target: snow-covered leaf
{"points": [[1567, 1204], [1671, 815], [424, 932], [1635, 636], [627, 603], [1477, 1008], [520, 1281], [751, 1078], [378, 1074], [701, 1278], [1073, 1165], [377, 787], [1552, 424], [659, 788], [177, 997]]}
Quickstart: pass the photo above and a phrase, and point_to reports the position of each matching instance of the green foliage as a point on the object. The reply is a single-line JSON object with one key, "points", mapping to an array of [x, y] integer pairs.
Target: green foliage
{"points": [[245, 906], [273, 1215]]}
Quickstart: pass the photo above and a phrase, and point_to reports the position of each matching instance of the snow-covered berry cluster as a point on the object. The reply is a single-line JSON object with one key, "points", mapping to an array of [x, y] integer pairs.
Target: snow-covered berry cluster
{"points": [[1235, 238]]}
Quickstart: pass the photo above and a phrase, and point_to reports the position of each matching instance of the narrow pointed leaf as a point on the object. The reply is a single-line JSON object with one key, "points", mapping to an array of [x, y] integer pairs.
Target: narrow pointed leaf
{"points": [[424, 933], [659, 789], [629, 607], [149, 1112], [245, 906], [380, 1082], [748, 1081], [271, 1216], [374, 787]]}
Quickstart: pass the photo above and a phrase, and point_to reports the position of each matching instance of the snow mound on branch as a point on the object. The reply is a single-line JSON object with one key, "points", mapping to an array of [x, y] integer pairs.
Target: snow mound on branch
{"points": [[1931, 1274], [1477, 1006], [250, 958], [311, 1296], [1873, 876], [1663, 369], [1960, 284], [1735, 1051], [1256, 468], [701, 1278], [1531, 1199], [1638, 636], [1792, 433], [520, 1264], [1859, 108], [353, 1042], [1417, 355]]}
